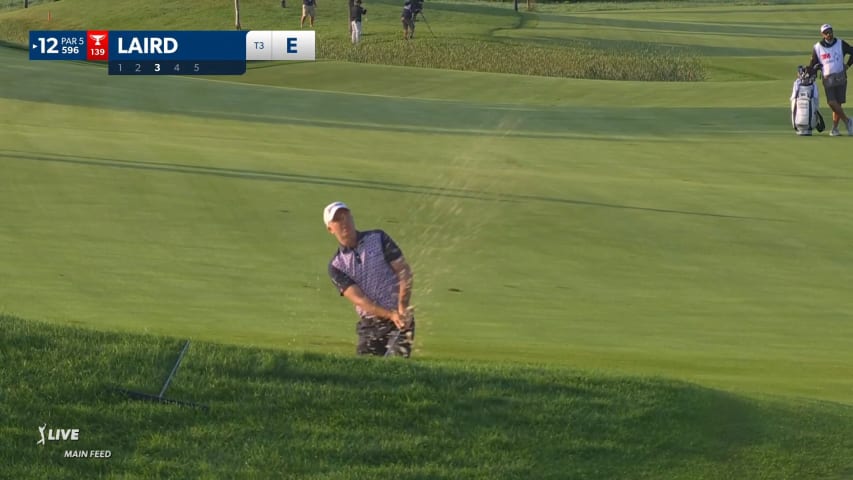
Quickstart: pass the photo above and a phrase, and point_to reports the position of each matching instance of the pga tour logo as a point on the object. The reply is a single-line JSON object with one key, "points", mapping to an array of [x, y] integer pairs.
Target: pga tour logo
{"points": [[58, 434], [97, 38]]}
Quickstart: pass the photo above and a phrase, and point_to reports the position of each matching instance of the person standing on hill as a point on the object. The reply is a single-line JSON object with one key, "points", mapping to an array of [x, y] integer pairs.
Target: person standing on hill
{"points": [[408, 19], [355, 21], [308, 10], [828, 54]]}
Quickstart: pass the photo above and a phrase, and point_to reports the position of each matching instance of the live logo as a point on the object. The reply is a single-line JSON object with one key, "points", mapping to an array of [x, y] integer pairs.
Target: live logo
{"points": [[63, 434], [97, 45]]}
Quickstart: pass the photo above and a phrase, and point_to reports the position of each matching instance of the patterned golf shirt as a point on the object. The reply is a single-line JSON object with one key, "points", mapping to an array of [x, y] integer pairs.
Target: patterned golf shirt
{"points": [[368, 266]]}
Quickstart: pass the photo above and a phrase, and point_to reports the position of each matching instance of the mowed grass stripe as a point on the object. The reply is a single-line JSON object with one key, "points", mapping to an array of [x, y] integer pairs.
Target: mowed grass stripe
{"points": [[88, 87], [624, 210], [253, 280]]}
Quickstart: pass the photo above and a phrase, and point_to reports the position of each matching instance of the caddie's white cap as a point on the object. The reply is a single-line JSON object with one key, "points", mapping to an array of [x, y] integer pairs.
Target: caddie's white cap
{"points": [[329, 211], [825, 27]]}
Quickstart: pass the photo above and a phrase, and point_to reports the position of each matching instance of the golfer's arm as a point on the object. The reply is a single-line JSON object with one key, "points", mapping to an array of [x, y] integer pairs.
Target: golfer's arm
{"points": [[814, 61], [404, 274], [356, 295]]}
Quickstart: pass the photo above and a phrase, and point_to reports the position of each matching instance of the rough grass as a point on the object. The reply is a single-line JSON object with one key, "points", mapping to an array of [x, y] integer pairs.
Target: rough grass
{"points": [[575, 59], [280, 414]]}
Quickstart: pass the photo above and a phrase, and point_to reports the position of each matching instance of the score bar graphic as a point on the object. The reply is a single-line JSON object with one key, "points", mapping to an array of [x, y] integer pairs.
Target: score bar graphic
{"points": [[183, 51]]}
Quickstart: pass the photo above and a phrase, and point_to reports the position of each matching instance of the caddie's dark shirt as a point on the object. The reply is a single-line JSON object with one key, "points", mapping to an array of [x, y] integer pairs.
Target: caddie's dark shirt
{"points": [[407, 12], [309, 3], [355, 13], [368, 265]]}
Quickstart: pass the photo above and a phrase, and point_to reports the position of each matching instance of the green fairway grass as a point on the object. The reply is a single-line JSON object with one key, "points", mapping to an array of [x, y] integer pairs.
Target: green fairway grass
{"points": [[192, 209], [617, 231]]}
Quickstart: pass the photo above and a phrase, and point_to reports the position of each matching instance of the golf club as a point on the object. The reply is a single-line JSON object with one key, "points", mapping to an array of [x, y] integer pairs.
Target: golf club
{"points": [[391, 348], [399, 336]]}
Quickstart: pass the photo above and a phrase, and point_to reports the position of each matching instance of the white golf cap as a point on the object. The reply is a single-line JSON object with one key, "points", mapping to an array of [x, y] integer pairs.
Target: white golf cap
{"points": [[825, 27], [329, 211]]}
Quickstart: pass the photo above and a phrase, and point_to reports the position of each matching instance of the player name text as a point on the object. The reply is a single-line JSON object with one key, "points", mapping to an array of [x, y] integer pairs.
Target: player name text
{"points": [[148, 45]]}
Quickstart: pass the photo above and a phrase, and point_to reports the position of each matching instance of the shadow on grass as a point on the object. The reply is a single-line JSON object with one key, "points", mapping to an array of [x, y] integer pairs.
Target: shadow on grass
{"points": [[291, 415], [15, 46], [427, 190]]}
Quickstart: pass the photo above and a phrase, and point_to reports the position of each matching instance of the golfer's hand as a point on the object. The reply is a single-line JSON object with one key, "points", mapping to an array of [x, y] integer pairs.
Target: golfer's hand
{"points": [[407, 314], [399, 320]]}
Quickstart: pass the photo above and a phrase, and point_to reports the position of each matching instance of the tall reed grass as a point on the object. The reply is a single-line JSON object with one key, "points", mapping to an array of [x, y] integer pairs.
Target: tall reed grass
{"points": [[577, 60]]}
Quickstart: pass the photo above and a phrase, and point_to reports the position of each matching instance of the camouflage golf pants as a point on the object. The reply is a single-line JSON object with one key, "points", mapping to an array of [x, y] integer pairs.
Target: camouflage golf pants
{"points": [[382, 338]]}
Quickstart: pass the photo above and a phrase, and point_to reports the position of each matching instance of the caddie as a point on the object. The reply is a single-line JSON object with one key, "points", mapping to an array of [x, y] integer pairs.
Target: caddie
{"points": [[828, 54]]}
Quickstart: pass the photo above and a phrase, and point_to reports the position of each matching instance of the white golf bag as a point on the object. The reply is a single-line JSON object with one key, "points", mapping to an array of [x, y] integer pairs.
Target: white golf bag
{"points": [[805, 101]]}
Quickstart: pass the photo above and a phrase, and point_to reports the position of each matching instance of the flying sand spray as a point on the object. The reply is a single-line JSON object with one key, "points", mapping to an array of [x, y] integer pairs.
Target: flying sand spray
{"points": [[434, 237]]}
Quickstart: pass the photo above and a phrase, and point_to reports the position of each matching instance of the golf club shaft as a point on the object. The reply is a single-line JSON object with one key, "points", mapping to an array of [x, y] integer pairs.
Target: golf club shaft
{"points": [[391, 348]]}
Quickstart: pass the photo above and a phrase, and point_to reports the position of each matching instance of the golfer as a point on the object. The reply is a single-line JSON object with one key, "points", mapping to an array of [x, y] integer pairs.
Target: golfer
{"points": [[828, 54], [370, 271]]}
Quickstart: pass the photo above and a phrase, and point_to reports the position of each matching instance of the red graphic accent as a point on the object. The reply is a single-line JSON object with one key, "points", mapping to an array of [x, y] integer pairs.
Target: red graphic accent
{"points": [[824, 56], [97, 45]]}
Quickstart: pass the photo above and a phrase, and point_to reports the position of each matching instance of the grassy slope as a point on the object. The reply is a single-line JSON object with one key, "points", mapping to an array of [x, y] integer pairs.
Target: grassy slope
{"points": [[301, 415], [207, 227], [715, 253]]}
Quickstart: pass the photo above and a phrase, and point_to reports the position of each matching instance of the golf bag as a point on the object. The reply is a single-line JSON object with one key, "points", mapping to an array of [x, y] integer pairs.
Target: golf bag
{"points": [[805, 101]]}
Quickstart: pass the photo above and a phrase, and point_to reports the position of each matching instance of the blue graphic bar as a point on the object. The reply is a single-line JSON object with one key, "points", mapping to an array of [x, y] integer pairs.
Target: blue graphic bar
{"points": [[57, 45], [225, 45]]}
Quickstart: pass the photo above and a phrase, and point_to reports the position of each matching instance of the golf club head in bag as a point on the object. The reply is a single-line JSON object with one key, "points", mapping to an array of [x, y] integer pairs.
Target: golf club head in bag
{"points": [[806, 76]]}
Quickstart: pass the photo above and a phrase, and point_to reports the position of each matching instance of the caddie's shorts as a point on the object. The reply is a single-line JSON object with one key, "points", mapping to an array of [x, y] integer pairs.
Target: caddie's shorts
{"points": [[378, 336], [835, 87], [408, 24], [308, 10], [837, 93]]}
